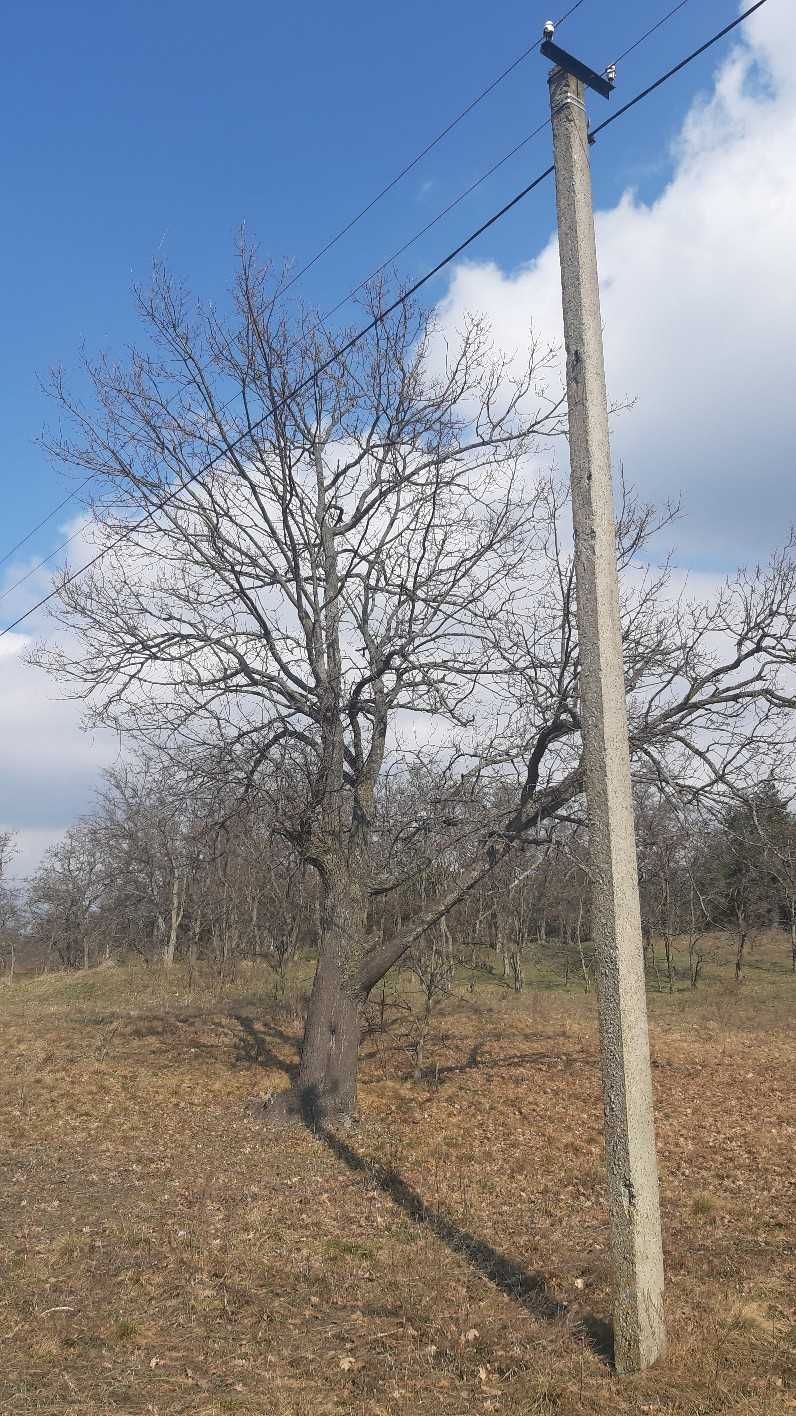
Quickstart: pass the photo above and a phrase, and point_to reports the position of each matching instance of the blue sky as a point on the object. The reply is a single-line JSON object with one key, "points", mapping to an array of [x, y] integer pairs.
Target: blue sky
{"points": [[135, 130]]}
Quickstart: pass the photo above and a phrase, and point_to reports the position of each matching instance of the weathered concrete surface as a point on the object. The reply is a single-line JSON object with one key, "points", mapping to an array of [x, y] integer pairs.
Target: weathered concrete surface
{"points": [[640, 1335]]}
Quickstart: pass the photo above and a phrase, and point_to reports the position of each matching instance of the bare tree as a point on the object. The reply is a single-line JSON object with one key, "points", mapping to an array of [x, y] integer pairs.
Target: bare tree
{"points": [[738, 862], [316, 584], [65, 893], [777, 828], [431, 964], [9, 905], [368, 552], [151, 844], [663, 840]]}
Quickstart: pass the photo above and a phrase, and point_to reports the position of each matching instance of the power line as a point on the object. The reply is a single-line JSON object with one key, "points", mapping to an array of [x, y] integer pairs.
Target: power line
{"points": [[377, 271], [571, 11], [45, 560], [689, 59], [495, 166], [424, 153], [327, 316], [43, 522], [408, 168], [653, 30], [376, 321], [440, 214]]}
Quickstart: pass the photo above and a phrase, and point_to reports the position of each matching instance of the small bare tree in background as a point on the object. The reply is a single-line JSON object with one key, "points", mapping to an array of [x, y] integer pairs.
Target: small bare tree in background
{"points": [[777, 827], [65, 895], [431, 964], [9, 906]]}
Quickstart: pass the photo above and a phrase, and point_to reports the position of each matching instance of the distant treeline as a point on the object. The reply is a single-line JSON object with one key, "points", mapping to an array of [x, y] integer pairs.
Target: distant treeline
{"points": [[148, 874]]}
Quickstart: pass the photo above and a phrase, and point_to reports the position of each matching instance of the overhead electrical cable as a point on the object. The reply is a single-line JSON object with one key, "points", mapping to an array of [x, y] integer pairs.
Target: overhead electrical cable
{"points": [[526, 53], [653, 30], [50, 514], [45, 560], [670, 73], [376, 321], [434, 220], [570, 11]]}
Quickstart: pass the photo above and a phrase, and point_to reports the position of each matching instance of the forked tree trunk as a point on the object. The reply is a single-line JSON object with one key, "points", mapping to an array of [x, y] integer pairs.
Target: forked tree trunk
{"points": [[349, 966]]}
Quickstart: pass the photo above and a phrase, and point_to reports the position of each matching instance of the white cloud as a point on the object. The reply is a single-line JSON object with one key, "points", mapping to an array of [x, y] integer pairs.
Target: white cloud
{"points": [[699, 308]]}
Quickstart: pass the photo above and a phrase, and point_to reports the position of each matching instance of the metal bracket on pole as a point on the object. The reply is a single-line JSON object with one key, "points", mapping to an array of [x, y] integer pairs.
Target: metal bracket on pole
{"points": [[601, 83]]}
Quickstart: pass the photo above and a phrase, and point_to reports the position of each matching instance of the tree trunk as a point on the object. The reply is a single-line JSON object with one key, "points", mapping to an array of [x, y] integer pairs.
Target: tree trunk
{"points": [[327, 1084], [170, 947], [326, 1091], [349, 966], [667, 944], [579, 935], [741, 950]]}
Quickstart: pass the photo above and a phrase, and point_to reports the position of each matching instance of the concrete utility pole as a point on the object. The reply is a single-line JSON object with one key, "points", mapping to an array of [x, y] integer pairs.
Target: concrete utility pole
{"points": [[633, 1199]]}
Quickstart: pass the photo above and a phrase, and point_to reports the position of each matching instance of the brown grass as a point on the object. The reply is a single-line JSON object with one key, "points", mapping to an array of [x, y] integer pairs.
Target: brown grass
{"points": [[164, 1254]]}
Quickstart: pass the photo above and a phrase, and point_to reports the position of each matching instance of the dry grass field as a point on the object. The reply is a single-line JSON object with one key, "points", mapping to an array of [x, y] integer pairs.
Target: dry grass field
{"points": [[163, 1253]]}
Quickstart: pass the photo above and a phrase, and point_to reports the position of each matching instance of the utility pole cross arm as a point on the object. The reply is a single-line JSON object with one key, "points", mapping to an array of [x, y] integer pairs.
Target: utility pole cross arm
{"points": [[601, 83]]}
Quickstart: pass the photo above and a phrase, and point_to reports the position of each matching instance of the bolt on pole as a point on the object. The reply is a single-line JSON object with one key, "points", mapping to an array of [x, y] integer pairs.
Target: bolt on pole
{"points": [[633, 1197]]}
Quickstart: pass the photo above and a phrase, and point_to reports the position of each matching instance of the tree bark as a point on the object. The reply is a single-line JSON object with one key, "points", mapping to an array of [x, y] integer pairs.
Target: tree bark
{"points": [[326, 1089], [177, 906], [667, 944], [740, 958]]}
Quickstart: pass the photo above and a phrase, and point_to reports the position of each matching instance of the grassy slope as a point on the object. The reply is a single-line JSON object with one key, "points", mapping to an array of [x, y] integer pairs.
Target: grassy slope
{"points": [[163, 1254]]}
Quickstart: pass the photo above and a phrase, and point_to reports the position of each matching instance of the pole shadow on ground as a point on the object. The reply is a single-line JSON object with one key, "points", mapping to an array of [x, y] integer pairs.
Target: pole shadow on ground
{"points": [[527, 1288], [522, 1286]]}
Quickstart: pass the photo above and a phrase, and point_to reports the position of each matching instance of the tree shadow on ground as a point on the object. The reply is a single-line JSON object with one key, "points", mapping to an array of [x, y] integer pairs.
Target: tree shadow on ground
{"points": [[525, 1287], [254, 1046], [251, 1044], [476, 1063]]}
